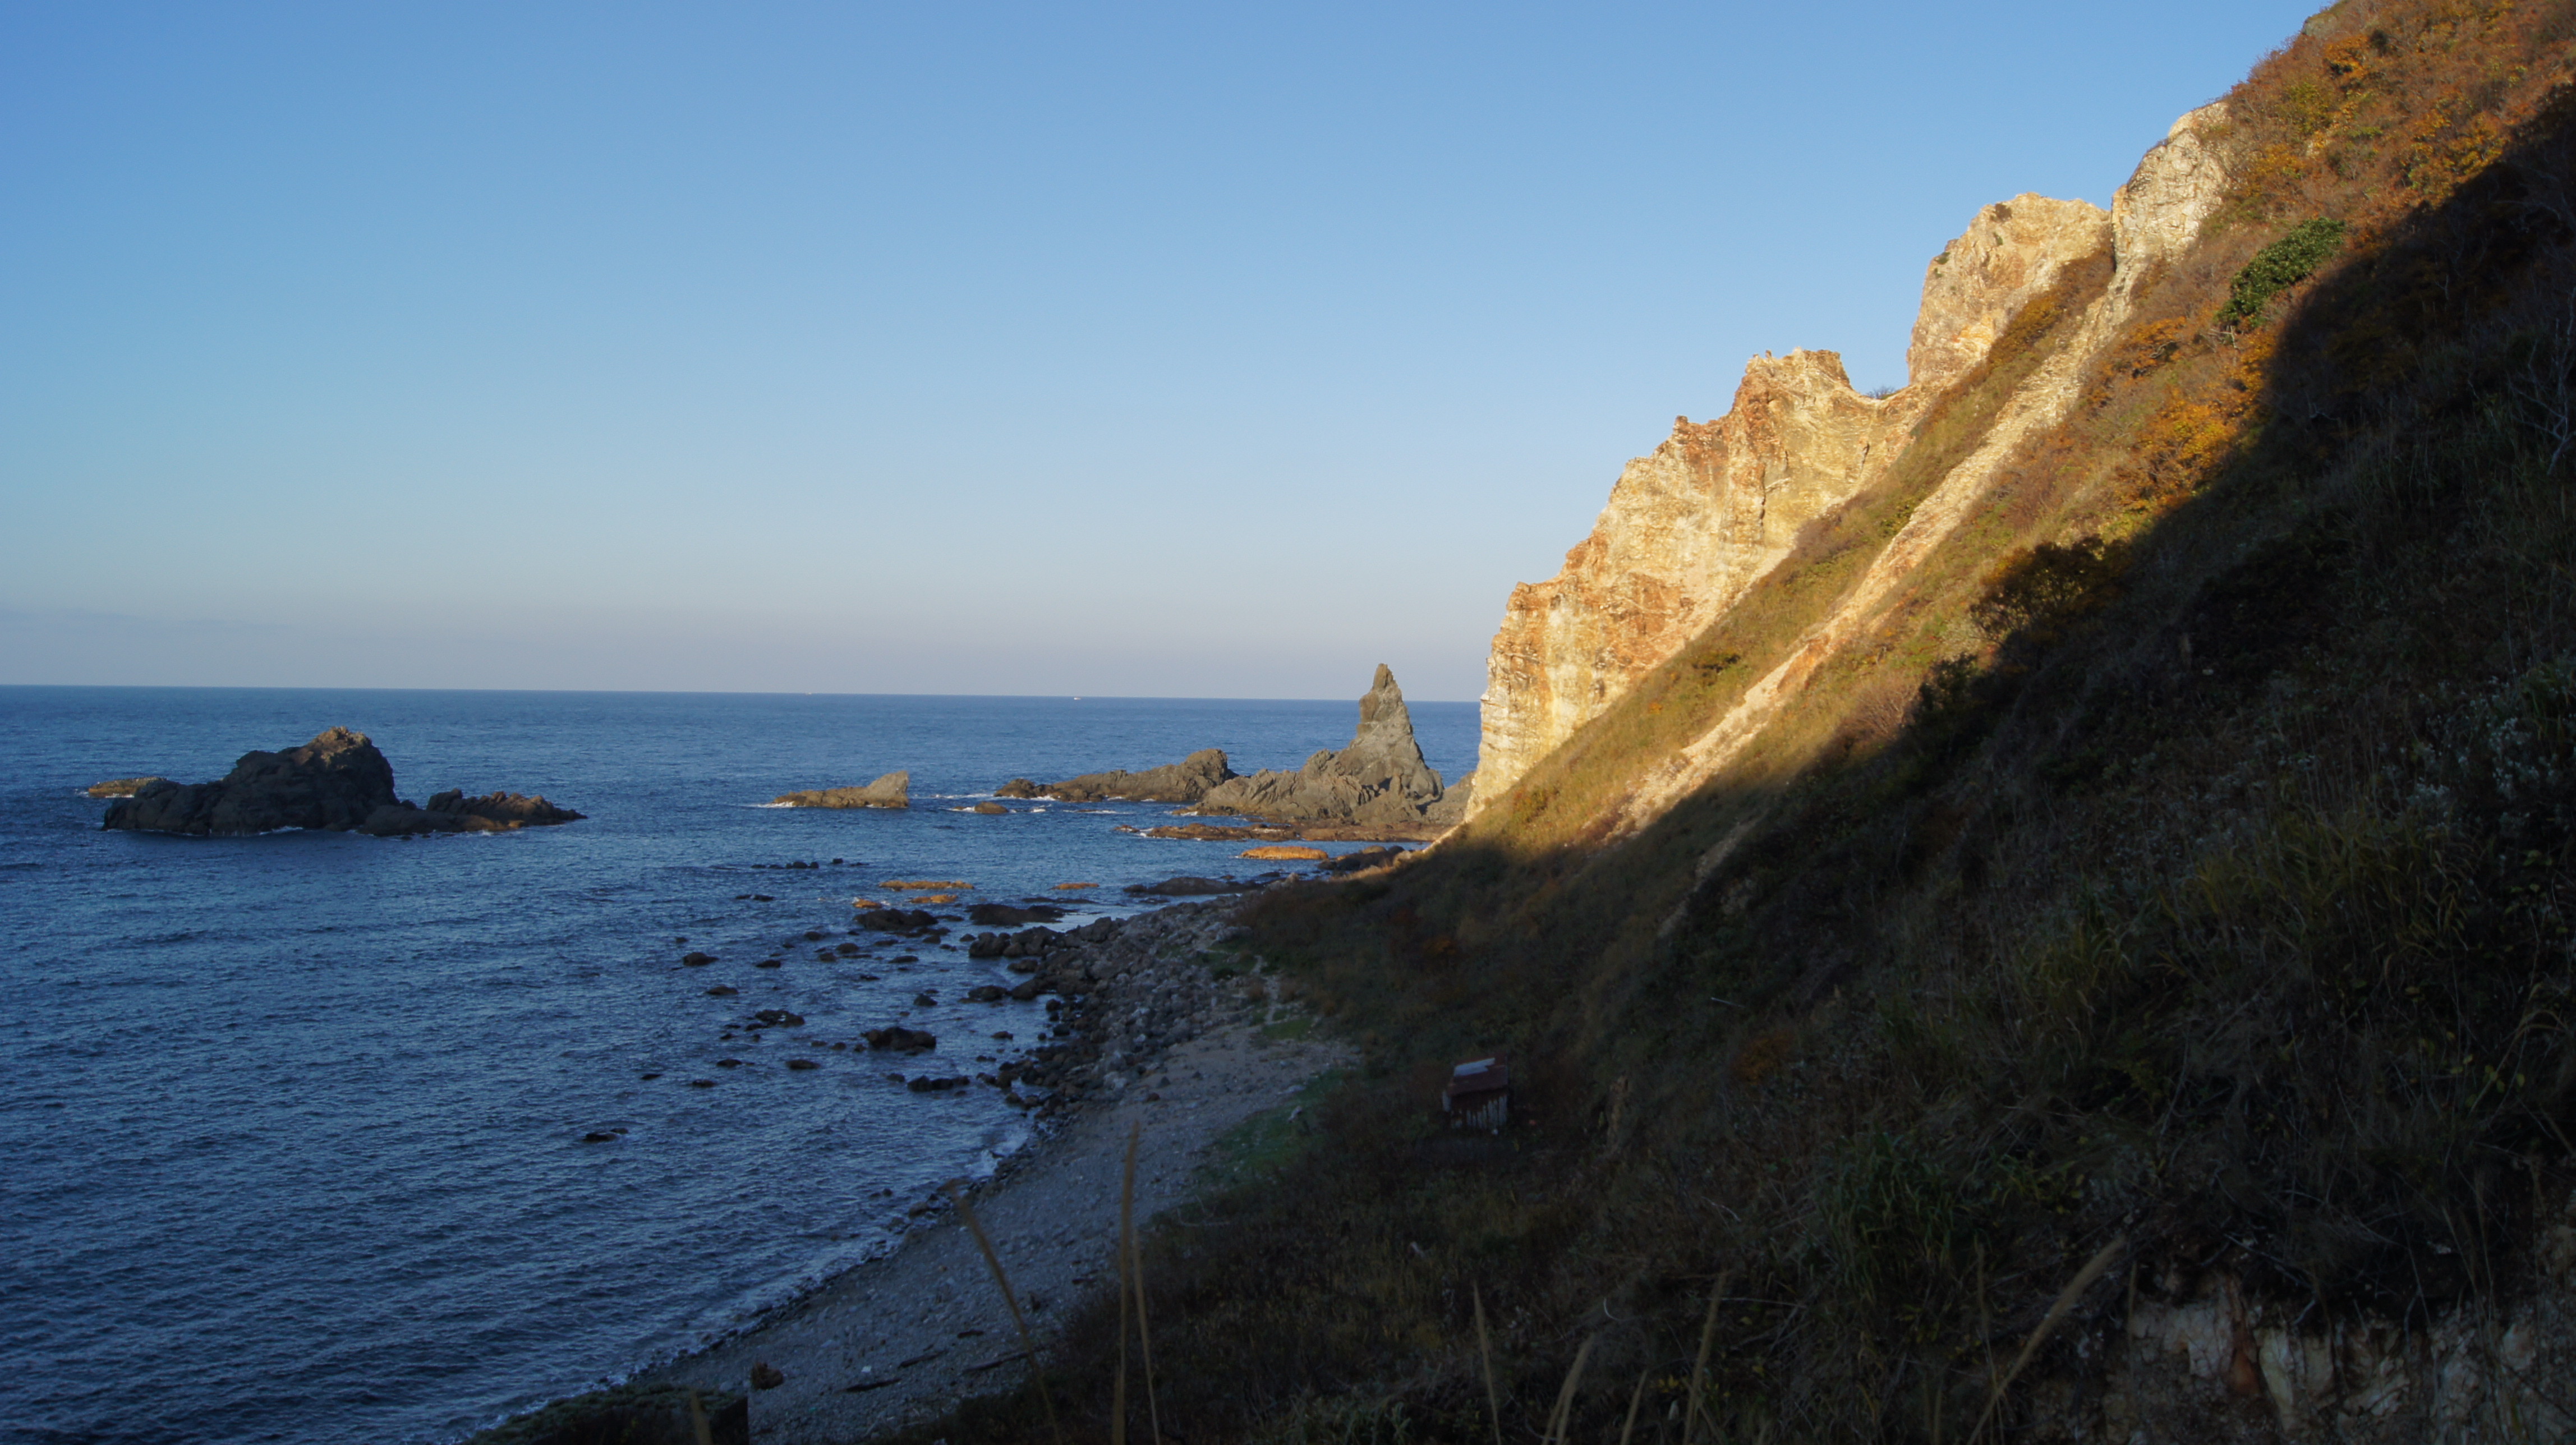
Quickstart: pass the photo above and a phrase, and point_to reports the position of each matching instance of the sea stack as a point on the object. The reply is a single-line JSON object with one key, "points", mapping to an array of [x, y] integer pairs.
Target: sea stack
{"points": [[1380, 779]]}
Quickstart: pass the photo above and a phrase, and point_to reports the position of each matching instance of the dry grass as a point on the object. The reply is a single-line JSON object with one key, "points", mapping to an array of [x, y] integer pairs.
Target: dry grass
{"points": [[2212, 902]]}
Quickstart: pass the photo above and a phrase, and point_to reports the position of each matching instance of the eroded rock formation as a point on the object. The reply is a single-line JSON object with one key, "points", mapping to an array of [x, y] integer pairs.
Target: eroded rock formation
{"points": [[894, 790], [1186, 781], [1379, 779], [1691, 526], [338, 782]]}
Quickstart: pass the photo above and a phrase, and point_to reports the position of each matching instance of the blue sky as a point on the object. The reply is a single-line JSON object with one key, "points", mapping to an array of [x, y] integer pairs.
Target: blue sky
{"points": [[1121, 350]]}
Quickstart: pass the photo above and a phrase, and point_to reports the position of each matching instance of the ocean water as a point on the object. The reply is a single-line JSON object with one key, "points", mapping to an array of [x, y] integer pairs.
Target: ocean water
{"points": [[293, 1137]]}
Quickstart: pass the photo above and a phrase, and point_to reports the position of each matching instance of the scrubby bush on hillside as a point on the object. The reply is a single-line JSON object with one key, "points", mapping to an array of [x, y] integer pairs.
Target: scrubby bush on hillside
{"points": [[2283, 264]]}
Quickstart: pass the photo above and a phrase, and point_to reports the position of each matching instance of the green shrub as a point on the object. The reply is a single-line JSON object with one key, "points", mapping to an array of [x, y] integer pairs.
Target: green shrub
{"points": [[2285, 263]]}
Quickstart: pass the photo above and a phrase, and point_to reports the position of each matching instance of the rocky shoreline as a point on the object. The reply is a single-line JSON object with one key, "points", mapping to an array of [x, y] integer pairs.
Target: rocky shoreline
{"points": [[1158, 1024]]}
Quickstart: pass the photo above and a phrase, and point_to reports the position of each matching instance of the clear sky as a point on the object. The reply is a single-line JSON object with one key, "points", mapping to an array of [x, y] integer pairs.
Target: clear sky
{"points": [[1209, 350]]}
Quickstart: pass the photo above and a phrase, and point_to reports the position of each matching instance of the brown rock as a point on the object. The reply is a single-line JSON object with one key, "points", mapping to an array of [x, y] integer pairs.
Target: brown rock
{"points": [[1285, 852], [894, 790]]}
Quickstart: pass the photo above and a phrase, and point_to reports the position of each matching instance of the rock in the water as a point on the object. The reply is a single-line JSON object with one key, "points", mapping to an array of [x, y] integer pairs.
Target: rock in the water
{"points": [[123, 787], [1004, 915], [1186, 781], [896, 920], [988, 808], [510, 810], [332, 782], [453, 812], [1364, 858], [1286, 853], [1380, 779], [894, 790], [338, 782], [901, 1040], [1187, 887], [766, 1376]]}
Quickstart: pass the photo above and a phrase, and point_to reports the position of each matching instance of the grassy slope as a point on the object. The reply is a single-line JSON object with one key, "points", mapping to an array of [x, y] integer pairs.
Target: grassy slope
{"points": [[2204, 881]]}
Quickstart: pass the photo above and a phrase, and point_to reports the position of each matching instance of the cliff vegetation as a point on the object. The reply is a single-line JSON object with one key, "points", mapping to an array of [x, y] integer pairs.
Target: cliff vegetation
{"points": [[2094, 962]]}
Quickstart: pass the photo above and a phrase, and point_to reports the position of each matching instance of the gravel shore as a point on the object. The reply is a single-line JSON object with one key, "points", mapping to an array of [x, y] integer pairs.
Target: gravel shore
{"points": [[1167, 1031]]}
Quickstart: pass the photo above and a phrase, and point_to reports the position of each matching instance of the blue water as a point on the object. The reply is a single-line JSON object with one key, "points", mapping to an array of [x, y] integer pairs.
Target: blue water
{"points": [[293, 1133]]}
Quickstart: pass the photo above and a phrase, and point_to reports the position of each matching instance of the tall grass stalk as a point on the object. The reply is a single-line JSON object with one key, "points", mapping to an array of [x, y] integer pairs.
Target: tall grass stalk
{"points": [[1636, 1398], [2093, 1269], [1699, 1367], [1132, 1261], [1126, 1287], [1560, 1420], [1019, 1321], [1484, 1348], [698, 1421]]}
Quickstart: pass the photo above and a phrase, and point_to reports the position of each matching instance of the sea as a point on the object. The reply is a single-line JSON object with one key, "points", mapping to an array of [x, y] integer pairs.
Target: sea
{"points": [[296, 1143]]}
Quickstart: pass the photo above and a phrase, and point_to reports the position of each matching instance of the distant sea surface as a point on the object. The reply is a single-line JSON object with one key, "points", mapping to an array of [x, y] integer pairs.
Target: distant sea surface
{"points": [[292, 1142]]}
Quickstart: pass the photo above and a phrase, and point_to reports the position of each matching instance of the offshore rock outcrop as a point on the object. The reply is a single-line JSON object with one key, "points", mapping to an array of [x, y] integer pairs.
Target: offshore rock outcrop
{"points": [[1688, 528], [1380, 779], [894, 790], [1186, 781], [339, 782]]}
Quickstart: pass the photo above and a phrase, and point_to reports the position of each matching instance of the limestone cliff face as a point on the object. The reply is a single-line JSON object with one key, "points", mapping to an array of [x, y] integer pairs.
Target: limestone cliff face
{"points": [[2154, 218], [1689, 527]]}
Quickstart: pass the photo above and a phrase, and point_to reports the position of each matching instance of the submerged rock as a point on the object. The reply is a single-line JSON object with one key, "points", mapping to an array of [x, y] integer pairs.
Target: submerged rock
{"points": [[894, 790], [896, 920], [1187, 887], [1002, 915]]}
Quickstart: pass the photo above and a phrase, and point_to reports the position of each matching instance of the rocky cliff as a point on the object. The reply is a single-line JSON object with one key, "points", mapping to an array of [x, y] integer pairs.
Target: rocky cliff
{"points": [[1691, 526]]}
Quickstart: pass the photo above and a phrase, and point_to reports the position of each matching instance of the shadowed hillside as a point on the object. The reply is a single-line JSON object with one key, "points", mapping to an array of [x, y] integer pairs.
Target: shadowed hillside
{"points": [[2103, 973]]}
